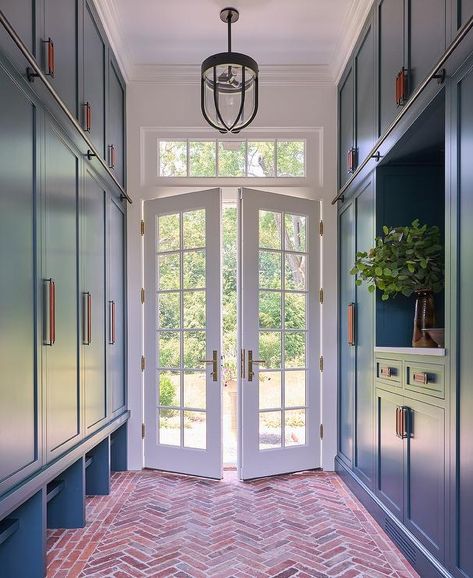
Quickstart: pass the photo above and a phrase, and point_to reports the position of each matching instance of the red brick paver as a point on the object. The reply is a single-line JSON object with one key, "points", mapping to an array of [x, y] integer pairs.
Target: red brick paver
{"points": [[157, 525]]}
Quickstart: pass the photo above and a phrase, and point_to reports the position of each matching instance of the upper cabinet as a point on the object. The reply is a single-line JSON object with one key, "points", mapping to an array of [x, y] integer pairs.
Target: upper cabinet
{"points": [[463, 11], [116, 122], [22, 16], [346, 115]]}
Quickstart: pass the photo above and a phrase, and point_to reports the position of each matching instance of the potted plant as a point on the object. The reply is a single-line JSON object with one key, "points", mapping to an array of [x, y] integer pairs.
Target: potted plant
{"points": [[404, 261]]}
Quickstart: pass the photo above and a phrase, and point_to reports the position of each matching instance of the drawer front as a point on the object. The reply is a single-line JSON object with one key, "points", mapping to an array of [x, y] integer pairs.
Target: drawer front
{"points": [[428, 379], [389, 371]]}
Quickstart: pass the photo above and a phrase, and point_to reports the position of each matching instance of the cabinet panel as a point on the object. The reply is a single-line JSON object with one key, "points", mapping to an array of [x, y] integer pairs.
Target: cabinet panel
{"points": [[94, 80], [365, 96], [364, 450], [390, 57], [465, 11], [425, 476], [92, 255], [116, 308], [390, 458], [19, 396], [60, 24], [347, 351], [116, 125], [427, 37], [60, 360], [346, 126], [21, 15]]}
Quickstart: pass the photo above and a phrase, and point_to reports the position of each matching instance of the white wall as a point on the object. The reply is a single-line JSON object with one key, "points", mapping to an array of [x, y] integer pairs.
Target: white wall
{"points": [[154, 105]]}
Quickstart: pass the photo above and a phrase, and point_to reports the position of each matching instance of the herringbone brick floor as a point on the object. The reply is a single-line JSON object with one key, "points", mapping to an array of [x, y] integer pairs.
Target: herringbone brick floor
{"points": [[158, 525]]}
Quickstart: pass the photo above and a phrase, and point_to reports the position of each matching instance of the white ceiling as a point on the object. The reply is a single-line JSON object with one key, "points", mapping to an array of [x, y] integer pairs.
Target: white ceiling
{"points": [[274, 32]]}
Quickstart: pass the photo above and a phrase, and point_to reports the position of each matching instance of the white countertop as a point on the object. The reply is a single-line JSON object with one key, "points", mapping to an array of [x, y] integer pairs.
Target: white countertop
{"points": [[438, 351]]}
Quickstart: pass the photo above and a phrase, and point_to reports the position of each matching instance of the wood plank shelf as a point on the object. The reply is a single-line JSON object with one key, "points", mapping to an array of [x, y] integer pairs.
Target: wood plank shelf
{"points": [[436, 351]]}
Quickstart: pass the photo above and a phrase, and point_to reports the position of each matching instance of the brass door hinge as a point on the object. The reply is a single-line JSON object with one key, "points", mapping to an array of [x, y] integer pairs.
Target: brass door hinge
{"points": [[321, 296], [143, 363], [142, 295], [321, 363], [321, 228], [142, 228], [143, 431], [321, 431]]}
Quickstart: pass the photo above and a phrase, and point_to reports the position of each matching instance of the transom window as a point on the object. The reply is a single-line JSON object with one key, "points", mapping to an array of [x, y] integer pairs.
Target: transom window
{"points": [[231, 158]]}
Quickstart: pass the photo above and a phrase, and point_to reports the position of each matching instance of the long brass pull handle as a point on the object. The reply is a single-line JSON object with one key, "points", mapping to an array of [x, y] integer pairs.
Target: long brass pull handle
{"points": [[214, 362], [87, 117], [86, 318], [351, 324], [251, 361], [421, 377], [111, 321], [386, 372], [398, 429], [242, 364], [112, 155], [50, 57], [49, 332], [406, 422]]}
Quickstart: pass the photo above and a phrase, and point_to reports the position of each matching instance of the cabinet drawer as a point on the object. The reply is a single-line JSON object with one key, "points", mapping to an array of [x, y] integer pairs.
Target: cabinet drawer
{"points": [[425, 378], [389, 371]]}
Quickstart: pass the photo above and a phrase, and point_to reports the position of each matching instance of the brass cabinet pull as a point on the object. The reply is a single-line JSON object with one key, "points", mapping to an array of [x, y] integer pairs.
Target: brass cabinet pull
{"points": [[86, 318], [401, 87], [50, 57], [111, 322], [112, 156], [242, 364], [214, 362], [87, 117], [251, 361], [352, 160], [386, 372], [406, 422], [398, 422], [49, 332], [351, 324], [421, 377]]}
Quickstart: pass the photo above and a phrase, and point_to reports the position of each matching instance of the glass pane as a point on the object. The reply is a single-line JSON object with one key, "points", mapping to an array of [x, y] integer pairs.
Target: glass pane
{"points": [[269, 389], [261, 159], [169, 427], [173, 159], [169, 232], [295, 310], [231, 158], [168, 272], [169, 388], [194, 309], [270, 309], [169, 349], [195, 384], [291, 158], [269, 430], [295, 271], [295, 232], [195, 431], [269, 270], [194, 349], [294, 427], [270, 349], [295, 349], [202, 159], [269, 230], [294, 388], [193, 224], [169, 316], [194, 270]]}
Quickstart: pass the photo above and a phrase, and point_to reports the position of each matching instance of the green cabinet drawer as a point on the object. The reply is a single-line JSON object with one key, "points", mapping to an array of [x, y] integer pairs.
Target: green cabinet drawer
{"points": [[428, 379], [389, 371]]}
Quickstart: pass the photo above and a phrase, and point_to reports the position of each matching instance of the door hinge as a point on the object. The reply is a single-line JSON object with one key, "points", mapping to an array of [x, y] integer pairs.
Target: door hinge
{"points": [[143, 431], [142, 295], [321, 228], [321, 296], [143, 363], [321, 431], [321, 363], [142, 227]]}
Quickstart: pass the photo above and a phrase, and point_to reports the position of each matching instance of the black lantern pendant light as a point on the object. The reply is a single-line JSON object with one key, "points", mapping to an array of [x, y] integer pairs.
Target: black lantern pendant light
{"points": [[229, 89]]}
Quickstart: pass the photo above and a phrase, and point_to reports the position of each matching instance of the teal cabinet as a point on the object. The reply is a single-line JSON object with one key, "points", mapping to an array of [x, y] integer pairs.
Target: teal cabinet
{"points": [[22, 16], [116, 142], [346, 118], [464, 11], [20, 395]]}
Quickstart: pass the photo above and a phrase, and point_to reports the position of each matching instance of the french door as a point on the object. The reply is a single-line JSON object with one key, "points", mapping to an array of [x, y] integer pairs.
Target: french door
{"points": [[183, 334], [278, 329], [279, 334]]}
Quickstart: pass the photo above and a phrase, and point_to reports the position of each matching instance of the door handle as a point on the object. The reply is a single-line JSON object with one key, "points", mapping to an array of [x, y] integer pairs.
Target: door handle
{"points": [[50, 57], [214, 362], [242, 364], [406, 422], [398, 429], [86, 318], [351, 324], [250, 364], [87, 117], [112, 155], [111, 323], [49, 333]]}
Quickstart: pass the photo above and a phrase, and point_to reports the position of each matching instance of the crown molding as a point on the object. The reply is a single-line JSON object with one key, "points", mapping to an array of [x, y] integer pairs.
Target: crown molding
{"points": [[352, 25], [270, 75]]}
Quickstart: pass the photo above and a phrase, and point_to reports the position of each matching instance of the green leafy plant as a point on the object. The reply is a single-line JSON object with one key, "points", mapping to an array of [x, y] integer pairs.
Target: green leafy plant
{"points": [[404, 260], [166, 391]]}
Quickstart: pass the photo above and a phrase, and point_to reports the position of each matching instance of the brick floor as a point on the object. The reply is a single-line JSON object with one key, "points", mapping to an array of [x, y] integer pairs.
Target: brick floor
{"points": [[157, 525]]}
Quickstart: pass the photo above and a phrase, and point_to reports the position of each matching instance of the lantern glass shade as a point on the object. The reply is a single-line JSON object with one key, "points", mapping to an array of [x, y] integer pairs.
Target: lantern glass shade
{"points": [[229, 91]]}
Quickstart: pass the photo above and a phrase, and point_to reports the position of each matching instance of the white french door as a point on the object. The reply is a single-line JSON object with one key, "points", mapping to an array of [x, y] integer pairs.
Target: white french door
{"points": [[183, 334], [279, 334]]}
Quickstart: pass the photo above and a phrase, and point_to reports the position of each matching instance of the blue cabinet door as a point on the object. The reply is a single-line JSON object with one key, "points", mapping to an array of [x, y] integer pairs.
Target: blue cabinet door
{"points": [[22, 16], [116, 306], [464, 11], [116, 122], [60, 295], [93, 103], [61, 29], [19, 393], [346, 349], [92, 302], [346, 124]]}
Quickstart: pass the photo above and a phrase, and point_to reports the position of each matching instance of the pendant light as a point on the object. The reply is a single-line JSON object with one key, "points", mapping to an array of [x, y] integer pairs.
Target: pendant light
{"points": [[229, 85]]}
